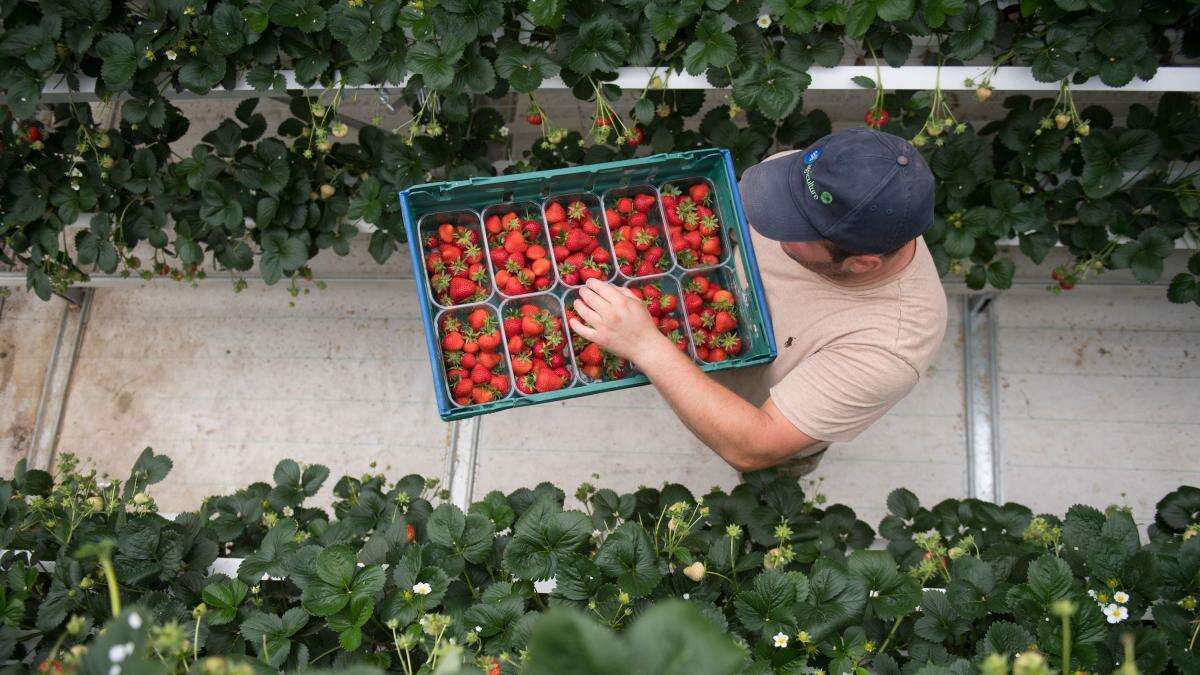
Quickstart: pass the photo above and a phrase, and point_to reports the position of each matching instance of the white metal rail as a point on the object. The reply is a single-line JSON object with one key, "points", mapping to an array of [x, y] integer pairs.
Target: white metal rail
{"points": [[838, 78]]}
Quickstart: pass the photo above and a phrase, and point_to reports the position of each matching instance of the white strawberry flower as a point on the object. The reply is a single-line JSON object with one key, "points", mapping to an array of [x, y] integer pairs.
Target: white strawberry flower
{"points": [[504, 131], [135, 620], [764, 21], [1121, 597], [1091, 594], [422, 588], [781, 639], [172, 55], [1116, 613], [874, 593]]}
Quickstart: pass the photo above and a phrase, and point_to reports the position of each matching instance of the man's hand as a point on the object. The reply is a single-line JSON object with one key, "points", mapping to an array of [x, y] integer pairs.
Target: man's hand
{"points": [[616, 320]]}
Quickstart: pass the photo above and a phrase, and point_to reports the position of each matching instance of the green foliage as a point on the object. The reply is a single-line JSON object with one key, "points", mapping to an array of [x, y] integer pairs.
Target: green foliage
{"points": [[383, 579], [1117, 197]]}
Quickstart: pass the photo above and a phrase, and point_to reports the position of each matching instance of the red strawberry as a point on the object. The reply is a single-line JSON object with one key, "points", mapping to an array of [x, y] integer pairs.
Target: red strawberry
{"points": [[493, 225], [692, 302], [482, 395], [500, 384], [724, 322], [521, 365], [453, 342], [462, 289], [515, 242], [577, 240], [410, 533], [699, 193], [463, 387], [477, 318], [668, 303], [601, 256], [479, 374], [445, 232], [643, 203], [590, 355], [555, 213], [590, 272], [547, 380], [625, 251], [512, 325], [625, 205], [614, 219], [531, 327]]}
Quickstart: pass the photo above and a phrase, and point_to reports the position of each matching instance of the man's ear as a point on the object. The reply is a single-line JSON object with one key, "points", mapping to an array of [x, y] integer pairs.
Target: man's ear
{"points": [[862, 264]]}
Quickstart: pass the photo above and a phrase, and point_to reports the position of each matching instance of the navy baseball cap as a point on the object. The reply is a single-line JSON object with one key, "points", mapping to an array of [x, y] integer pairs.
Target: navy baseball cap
{"points": [[864, 190]]}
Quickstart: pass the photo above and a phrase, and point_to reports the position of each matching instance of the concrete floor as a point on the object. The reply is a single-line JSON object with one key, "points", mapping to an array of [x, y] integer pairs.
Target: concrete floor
{"points": [[1097, 391], [1097, 388]]}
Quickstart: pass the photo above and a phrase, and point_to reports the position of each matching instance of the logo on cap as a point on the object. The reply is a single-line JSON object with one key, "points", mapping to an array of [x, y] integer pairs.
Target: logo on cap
{"points": [[812, 156], [826, 198]]}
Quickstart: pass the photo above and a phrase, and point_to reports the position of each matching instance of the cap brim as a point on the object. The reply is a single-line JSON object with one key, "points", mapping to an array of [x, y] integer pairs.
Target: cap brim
{"points": [[770, 203]]}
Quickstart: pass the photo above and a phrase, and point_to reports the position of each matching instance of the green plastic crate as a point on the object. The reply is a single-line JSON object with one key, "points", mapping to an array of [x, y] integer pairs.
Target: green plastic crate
{"points": [[467, 199]]}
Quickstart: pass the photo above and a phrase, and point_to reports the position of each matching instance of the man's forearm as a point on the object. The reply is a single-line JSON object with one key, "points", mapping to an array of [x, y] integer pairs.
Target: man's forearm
{"points": [[720, 418]]}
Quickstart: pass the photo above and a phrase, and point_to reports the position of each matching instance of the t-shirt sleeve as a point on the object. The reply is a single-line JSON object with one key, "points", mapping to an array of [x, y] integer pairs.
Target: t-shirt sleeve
{"points": [[839, 391]]}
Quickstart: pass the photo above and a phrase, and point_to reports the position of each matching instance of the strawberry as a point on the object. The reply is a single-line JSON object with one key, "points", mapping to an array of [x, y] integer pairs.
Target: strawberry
{"points": [[614, 219], [453, 342], [668, 303], [482, 395], [692, 302], [547, 380], [512, 324], [724, 322], [710, 245], [530, 327], [521, 365], [445, 233], [462, 289], [33, 134], [490, 342], [699, 193], [479, 374], [410, 533], [643, 202], [500, 384], [493, 224], [534, 118], [601, 256], [555, 213], [577, 240], [625, 205], [625, 251], [590, 355], [515, 242], [590, 272]]}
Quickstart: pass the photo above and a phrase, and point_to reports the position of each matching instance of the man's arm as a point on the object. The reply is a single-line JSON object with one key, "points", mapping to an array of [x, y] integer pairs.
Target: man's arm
{"points": [[746, 437]]}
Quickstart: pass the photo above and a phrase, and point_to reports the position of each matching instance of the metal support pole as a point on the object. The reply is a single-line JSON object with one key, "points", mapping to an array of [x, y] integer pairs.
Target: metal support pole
{"points": [[464, 449], [981, 396], [57, 383]]}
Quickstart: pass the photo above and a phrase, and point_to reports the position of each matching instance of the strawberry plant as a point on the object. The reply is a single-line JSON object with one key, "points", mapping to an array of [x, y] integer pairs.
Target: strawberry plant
{"points": [[455, 265], [693, 228], [764, 577], [712, 316], [476, 371], [636, 229], [580, 247], [249, 197], [537, 345], [518, 250]]}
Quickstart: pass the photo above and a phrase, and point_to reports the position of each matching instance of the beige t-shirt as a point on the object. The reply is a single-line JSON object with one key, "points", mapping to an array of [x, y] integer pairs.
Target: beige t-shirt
{"points": [[846, 354]]}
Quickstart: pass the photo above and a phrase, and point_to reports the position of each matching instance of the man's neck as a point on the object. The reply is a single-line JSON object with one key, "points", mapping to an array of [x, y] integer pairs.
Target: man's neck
{"points": [[892, 265]]}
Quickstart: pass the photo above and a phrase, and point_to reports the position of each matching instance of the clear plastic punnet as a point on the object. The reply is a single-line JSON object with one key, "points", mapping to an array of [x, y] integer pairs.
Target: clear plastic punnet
{"points": [[526, 212], [671, 322], [459, 320], [718, 331], [571, 256], [545, 345], [693, 222], [438, 282], [595, 364], [634, 215]]}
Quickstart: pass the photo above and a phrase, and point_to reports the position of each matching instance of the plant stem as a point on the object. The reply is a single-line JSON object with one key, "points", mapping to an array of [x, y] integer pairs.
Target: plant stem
{"points": [[196, 641], [1192, 642], [890, 635], [1066, 622], [110, 577], [323, 654]]}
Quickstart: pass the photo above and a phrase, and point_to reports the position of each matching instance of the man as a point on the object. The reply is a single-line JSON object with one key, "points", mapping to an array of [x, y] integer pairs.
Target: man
{"points": [[858, 309]]}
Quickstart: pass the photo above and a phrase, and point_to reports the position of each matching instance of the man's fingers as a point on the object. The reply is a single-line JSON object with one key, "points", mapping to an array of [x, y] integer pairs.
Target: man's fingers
{"points": [[583, 330], [587, 313], [605, 290], [592, 299], [625, 291]]}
